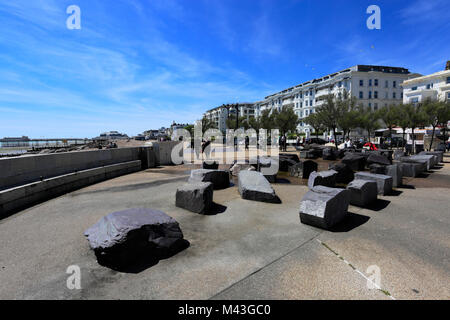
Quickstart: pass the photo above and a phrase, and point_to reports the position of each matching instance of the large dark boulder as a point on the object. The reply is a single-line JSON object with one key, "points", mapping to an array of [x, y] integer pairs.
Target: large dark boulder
{"points": [[377, 168], [123, 239], [323, 178], [219, 178], [324, 207], [196, 197], [344, 173], [384, 182], [329, 153], [356, 162], [285, 163], [291, 156], [254, 186], [362, 192], [378, 159], [303, 169]]}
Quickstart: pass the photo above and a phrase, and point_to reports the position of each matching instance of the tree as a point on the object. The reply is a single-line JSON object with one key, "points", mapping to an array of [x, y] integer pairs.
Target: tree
{"points": [[417, 118], [348, 115], [431, 111], [242, 122], [403, 119], [329, 113], [368, 120], [444, 117], [207, 124], [390, 116], [315, 121], [286, 120]]}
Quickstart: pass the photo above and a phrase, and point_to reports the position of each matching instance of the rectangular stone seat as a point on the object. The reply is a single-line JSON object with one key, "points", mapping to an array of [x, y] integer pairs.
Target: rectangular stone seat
{"points": [[196, 197], [438, 154], [219, 178], [303, 169], [362, 192], [395, 172], [384, 182], [323, 178], [411, 169], [324, 207], [254, 186], [424, 159]]}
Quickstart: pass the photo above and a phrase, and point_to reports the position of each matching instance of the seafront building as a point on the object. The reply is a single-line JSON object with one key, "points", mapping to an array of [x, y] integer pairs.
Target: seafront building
{"points": [[435, 86], [374, 86], [219, 115]]}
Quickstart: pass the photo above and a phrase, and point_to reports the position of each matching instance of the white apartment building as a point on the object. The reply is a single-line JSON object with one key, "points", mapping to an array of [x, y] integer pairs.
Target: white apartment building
{"points": [[435, 86], [220, 114], [373, 86]]}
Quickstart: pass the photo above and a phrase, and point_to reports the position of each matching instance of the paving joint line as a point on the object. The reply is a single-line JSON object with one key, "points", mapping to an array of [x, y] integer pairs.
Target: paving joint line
{"points": [[356, 270]]}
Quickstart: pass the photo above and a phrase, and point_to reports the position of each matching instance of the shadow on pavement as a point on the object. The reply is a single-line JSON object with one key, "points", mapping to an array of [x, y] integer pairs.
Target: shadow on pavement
{"points": [[216, 209], [352, 221], [378, 205]]}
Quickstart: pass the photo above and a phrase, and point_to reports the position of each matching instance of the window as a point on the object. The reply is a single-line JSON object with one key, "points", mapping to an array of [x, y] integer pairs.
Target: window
{"points": [[301, 95], [401, 95], [370, 105], [301, 104], [370, 82], [376, 94], [361, 83], [448, 95], [428, 86], [376, 82], [394, 84], [375, 107], [386, 95], [370, 94], [306, 112], [413, 88], [415, 100], [448, 80], [386, 84], [310, 93], [394, 95], [340, 84], [306, 93], [361, 95]]}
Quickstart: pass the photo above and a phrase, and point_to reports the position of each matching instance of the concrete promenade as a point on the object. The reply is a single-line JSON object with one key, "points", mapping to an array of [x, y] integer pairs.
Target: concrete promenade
{"points": [[248, 250]]}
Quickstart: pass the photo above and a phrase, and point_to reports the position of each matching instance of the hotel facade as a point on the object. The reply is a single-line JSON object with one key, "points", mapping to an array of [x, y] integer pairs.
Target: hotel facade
{"points": [[435, 86], [373, 86]]}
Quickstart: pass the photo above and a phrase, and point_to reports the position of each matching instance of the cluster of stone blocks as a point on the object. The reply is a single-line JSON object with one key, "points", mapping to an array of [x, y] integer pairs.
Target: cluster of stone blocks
{"points": [[197, 195]]}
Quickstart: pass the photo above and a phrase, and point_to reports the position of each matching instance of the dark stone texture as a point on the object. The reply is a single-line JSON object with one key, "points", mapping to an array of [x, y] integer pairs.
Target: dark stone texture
{"points": [[254, 186], [122, 238], [378, 159], [303, 169], [329, 153], [395, 172], [210, 166], [362, 192], [384, 182], [344, 173], [377, 168], [196, 197], [411, 169], [324, 207], [219, 178], [355, 161], [323, 178]]}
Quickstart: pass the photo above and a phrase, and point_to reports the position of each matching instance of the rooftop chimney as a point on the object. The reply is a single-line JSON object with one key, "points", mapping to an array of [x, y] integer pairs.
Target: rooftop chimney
{"points": [[448, 65]]}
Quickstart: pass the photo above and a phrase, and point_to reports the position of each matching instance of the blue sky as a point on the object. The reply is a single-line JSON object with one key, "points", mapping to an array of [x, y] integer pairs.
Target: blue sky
{"points": [[141, 64]]}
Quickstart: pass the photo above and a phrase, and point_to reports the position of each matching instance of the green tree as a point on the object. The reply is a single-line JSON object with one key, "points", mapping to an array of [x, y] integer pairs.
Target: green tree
{"points": [[390, 116], [444, 117], [403, 119], [368, 119], [431, 111], [208, 124], [286, 120], [242, 122], [329, 112], [417, 118], [315, 121]]}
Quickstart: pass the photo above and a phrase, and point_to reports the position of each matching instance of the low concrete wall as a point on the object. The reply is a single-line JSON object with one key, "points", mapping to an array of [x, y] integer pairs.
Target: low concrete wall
{"points": [[163, 151], [14, 199], [27, 169]]}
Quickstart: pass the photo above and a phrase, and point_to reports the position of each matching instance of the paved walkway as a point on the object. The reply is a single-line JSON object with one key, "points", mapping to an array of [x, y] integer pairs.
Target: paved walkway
{"points": [[250, 251]]}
